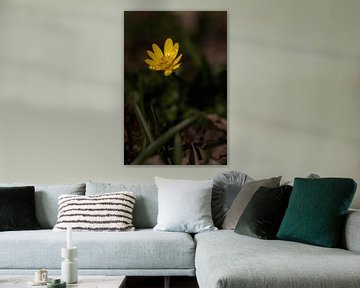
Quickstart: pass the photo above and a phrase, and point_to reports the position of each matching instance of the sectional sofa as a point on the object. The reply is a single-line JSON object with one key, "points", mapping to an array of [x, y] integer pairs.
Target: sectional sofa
{"points": [[219, 259]]}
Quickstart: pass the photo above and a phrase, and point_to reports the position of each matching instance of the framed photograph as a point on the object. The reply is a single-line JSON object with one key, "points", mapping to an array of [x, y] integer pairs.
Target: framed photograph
{"points": [[175, 88]]}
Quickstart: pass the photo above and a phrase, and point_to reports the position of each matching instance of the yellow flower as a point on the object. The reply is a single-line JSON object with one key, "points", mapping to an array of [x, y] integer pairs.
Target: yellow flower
{"points": [[166, 61]]}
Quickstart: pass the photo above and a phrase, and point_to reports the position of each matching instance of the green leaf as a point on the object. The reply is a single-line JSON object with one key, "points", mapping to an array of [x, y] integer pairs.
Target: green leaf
{"points": [[163, 139]]}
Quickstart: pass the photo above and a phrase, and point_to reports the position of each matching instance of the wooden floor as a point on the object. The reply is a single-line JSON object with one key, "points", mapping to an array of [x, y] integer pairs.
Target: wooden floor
{"points": [[158, 282]]}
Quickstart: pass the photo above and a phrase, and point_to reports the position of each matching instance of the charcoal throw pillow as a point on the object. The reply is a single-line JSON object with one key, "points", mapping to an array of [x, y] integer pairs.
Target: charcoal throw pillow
{"points": [[243, 198], [17, 209], [316, 211], [105, 212], [184, 205], [263, 214], [225, 189]]}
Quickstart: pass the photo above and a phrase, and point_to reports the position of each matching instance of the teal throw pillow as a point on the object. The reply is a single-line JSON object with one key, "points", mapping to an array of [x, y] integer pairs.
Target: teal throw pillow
{"points": [[316, 211]]}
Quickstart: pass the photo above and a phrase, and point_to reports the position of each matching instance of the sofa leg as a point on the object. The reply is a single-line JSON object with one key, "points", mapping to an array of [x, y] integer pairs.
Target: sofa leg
{"points": [[167, 282]]}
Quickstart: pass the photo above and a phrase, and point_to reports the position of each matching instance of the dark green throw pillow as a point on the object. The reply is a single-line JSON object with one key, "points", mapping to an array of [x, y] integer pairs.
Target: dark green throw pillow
{"points": [[316, 211], [17, 208], [264, 213]]}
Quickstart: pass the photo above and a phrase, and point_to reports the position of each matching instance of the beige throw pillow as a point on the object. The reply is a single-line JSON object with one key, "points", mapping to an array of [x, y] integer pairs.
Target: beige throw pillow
{"points": [[243, 198]]}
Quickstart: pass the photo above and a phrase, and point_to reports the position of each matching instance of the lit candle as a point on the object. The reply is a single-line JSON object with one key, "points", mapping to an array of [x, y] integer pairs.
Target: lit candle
{"points": [[69, 239]]}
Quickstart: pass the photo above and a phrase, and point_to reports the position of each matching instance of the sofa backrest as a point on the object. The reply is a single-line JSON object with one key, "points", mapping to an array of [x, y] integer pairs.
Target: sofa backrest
{"points": [[46, 200], [146, 203]]}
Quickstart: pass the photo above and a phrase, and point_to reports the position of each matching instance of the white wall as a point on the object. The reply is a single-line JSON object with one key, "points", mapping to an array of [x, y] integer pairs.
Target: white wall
{"points": [[294, 89]]}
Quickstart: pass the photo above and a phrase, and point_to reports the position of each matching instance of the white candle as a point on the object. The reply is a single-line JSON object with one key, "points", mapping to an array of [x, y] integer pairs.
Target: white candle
{"points": [[69, 239]]}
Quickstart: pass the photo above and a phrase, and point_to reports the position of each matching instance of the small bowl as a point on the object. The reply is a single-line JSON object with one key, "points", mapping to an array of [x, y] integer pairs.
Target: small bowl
{"points": [[56, 283]]}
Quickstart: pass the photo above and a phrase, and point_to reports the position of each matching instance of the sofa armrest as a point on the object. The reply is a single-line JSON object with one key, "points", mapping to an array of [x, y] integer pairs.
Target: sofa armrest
{"points": [[351, 233]]}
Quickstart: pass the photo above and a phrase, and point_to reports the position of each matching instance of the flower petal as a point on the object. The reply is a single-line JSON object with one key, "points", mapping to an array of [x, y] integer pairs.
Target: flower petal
{"points": [[152, 55], [157, 51], [176, 66], [177, 60], [174, 50], [167, 72], [168, 47], [150, 62]]}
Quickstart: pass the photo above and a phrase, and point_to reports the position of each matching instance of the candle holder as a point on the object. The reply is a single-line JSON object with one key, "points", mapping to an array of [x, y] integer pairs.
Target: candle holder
{"points": [[68, 265]]}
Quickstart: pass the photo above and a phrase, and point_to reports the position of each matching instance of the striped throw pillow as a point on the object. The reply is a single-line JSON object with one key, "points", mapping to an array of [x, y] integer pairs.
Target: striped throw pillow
{"points": [[105, 212]]}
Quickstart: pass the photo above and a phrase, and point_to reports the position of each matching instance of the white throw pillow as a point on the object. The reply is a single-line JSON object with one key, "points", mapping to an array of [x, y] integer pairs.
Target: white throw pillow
{"points": [[184, 205], [104, 212]]}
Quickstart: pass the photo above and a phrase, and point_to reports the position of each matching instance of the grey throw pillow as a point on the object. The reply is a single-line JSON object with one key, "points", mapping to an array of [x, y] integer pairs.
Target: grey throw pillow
{"points": [[242, 199], [184, 205], [226, 187]]}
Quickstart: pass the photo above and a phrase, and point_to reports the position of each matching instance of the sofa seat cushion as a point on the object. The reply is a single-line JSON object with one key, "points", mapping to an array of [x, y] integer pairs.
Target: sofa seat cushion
{"points": [[146, 204], [226, 259], [141, 249]]}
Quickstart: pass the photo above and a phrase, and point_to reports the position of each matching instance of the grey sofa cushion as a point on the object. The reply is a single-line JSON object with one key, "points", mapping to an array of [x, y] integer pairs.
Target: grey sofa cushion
{"points": [[226, 259], [351, 235], [46, 200], [146, 204], [137, 250]]}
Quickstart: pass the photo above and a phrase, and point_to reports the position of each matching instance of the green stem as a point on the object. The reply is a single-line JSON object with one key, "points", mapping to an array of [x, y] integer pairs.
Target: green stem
{"points": [[196, 158], [177, 149], [143, 123], [163, 139], [155, 119]]}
